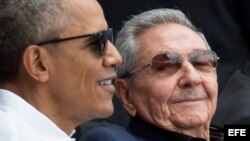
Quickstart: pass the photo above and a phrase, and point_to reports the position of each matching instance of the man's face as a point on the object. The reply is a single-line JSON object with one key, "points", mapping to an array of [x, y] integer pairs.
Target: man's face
{"points": [[80, 78], [184, 99]]}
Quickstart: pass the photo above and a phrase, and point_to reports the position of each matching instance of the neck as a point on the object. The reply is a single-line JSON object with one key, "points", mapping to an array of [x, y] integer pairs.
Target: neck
{"points": [[201, 132]]}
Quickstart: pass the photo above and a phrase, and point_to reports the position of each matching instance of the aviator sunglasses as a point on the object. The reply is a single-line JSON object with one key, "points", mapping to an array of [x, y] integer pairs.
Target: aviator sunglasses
{"points": [[101, 38], [166, 64]]}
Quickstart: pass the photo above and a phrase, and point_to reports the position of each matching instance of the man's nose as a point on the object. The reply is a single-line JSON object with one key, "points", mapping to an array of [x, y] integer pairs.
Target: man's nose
{"points": [[190, 76], [112, 57]]}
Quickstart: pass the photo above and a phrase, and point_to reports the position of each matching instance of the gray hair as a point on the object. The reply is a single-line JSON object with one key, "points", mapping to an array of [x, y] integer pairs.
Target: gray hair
{"points": [[126, 41], [26, 22]]}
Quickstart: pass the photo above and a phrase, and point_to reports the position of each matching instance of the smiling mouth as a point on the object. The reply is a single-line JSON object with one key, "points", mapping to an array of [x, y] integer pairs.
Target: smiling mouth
{"points": [[105, 82], [175, 101], [107, 85]]}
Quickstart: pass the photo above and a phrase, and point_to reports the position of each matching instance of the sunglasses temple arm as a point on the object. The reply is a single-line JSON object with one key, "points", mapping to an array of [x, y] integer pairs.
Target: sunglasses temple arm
{"points": [[138, 69]]}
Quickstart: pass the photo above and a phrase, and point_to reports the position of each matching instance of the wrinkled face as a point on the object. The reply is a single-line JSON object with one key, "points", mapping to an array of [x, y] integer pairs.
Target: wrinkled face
{"points": [[80, 78], [186, 98]]}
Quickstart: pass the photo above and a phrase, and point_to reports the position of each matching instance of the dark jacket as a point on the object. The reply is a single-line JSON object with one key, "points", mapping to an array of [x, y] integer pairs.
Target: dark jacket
{"points": [[137, 130], [234, 101]]}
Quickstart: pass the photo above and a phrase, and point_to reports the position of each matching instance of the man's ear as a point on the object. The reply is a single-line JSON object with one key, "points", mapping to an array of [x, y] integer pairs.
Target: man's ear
{"points": [[35, 62], [124, 94]]}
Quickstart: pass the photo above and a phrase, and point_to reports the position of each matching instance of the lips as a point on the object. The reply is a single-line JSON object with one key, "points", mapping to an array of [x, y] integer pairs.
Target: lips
{"points": [[105, 82], [181, 100]]}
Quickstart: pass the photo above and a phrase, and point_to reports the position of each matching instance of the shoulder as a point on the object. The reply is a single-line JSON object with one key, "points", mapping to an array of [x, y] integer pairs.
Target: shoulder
{"points": [[7, 126], [110, 133]]}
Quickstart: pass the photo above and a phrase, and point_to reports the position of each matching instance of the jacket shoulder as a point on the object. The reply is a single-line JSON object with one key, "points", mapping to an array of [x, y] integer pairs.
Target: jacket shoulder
{"points": [[111, 133]]}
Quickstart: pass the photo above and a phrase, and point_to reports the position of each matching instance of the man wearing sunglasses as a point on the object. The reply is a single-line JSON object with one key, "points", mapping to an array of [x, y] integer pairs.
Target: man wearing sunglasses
{"points": [[167, 82], [56, 67]]}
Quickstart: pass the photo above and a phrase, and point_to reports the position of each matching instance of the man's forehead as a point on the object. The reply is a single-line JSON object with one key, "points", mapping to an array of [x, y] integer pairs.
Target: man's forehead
{"points": [[87, 14], [169, 37]]}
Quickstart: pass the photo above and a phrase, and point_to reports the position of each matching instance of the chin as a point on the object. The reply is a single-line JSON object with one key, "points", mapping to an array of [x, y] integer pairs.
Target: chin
{"points": [[194, 124], [106, 111], [191, 122]]}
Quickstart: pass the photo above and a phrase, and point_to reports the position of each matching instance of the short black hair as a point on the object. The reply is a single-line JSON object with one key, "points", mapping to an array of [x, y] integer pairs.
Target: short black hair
{"points": [[26, 22]]}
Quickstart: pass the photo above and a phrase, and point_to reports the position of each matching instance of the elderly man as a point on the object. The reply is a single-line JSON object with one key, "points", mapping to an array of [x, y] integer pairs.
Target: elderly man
{"points": [[56, 68], [168, 81]]}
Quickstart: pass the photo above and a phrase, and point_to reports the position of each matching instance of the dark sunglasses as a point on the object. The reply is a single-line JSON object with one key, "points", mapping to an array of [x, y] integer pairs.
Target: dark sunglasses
{"points": [[166, 64], [102, 39]]}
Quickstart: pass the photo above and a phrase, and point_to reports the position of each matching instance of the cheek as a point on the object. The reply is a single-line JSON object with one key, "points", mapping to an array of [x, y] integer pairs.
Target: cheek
{"points": [[211, 87], [74, 75], [159, 87], [153, 98], [156, 89]]}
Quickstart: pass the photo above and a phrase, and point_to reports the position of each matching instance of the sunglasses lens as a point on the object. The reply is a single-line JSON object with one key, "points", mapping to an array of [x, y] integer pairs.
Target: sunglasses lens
{"points": [[169, 63], [166, 64], [103, 38], [204, 60], [110, 35]]}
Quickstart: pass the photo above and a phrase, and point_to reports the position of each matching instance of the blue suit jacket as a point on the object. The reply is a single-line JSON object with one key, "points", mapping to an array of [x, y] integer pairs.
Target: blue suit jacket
{"points": [[111, 133]]}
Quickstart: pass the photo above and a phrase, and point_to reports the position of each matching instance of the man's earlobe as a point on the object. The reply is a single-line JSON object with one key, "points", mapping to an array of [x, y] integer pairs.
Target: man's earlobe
{"points": [[123, 93], [34, 61]]}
